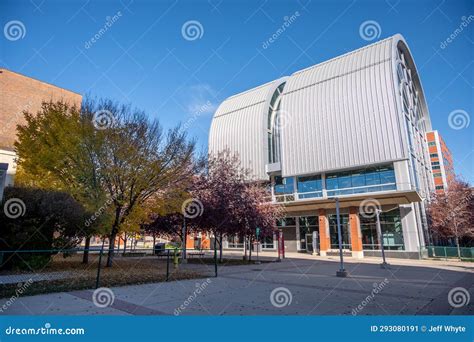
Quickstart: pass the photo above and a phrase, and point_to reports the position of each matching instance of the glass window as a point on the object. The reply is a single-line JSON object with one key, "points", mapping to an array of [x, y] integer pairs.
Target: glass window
{"points": [[307, 225], [434, 155], [267, 242], [360, 181], [331, 181], [346, 238], [344, 181], [431, 143], [287, 221], [390, 224], [372, 178], [386, 175], [283, 185], [274, 126], [310, 186], [235, 241]]}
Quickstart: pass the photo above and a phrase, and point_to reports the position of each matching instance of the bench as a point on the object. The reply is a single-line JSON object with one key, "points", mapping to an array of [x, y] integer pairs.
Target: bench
{"points": [[193, 254]]}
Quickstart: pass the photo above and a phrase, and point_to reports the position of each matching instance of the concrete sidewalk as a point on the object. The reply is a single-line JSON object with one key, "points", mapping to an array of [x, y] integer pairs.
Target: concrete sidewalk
{"points": [[296, 286]]}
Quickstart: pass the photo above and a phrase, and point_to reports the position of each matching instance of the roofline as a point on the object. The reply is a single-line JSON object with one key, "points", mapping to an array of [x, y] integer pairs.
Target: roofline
{"points": [[38, 80]]}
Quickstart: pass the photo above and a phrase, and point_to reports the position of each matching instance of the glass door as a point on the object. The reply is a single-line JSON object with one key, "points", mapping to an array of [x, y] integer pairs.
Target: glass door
{"points": [[346, 235], [309, 243]]}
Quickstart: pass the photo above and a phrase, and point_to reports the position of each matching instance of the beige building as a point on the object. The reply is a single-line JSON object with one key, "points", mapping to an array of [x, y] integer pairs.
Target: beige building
{"points": [[20, 93]]}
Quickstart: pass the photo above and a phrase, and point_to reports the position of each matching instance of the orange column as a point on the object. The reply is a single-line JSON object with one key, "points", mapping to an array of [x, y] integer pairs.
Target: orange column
{"points": [[324, 241], [189, 241], [356, 236]]}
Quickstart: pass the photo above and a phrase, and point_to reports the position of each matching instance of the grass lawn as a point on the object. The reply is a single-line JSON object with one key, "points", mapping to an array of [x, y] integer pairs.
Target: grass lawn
{"points": [[77, 276]]}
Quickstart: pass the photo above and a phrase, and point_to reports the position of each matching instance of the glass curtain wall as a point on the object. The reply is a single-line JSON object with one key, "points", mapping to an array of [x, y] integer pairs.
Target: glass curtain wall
{"points": [[310, 187], [346, 237], [391, 227], [361, 181], [307, 225]]}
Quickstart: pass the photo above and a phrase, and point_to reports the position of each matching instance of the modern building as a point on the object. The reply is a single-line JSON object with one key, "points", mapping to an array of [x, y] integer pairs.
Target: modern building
{"points": [[20, 93], [352, 128], [441, 161]]}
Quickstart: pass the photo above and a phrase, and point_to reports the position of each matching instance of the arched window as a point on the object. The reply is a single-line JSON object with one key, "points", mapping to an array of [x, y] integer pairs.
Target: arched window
{"points": [[274, 125]]}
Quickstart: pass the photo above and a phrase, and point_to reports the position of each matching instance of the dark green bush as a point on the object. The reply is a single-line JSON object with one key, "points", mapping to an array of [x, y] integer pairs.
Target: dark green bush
{"points": [[37, 219]]}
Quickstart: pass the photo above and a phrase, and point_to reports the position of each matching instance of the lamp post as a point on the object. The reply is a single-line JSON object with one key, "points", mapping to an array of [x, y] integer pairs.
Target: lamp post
{"points": [[384, 264], [185, 238], [257, 233], [341, 272]]}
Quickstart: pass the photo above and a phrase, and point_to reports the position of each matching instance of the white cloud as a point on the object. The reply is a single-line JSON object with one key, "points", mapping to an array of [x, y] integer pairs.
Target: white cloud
{"points": [[202, 99]]}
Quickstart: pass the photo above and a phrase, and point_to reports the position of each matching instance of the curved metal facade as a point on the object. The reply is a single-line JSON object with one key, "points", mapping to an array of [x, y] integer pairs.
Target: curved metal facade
{"points": [[339, 114], [240, 125]]}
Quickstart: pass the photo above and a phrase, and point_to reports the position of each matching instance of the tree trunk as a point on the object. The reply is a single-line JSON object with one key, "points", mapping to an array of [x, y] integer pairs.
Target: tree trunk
{"points": [[110, 255], [245, 248], [85, 257], [250, 249], [459, 248], [154, 240], [215, 254], [124, 242]]}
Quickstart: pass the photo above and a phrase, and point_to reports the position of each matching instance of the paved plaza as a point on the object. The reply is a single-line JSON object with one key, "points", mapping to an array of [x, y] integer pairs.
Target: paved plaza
{"points": [[299, 285]]}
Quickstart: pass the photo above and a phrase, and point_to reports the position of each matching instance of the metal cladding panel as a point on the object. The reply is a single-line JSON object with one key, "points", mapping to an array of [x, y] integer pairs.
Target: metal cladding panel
{"points": [[341, 113], [239, 125]]}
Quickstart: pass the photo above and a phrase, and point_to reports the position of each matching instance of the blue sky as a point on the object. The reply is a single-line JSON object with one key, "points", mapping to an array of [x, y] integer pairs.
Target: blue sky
{"points": [[144, 59]]}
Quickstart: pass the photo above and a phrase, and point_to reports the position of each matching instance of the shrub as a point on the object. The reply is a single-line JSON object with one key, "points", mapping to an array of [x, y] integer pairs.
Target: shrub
{"points": [[37, 219]]}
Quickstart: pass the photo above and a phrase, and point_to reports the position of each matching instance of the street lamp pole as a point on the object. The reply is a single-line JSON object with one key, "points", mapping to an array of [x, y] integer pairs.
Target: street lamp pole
{"points": [[185, 238], [342, 272], [384, 264]]}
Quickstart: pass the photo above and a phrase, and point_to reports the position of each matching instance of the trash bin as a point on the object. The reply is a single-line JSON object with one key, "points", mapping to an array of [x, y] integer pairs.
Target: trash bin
{"points": [[159, 249]]}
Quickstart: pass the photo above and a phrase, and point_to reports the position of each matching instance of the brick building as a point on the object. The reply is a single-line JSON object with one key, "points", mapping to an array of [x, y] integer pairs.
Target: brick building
{"points": [[20, 93], [441, 160]]}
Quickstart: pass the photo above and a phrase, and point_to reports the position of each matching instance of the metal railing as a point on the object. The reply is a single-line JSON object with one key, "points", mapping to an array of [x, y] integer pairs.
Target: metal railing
{"points": [[450, 252], [301, 196], [36, 260]]}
